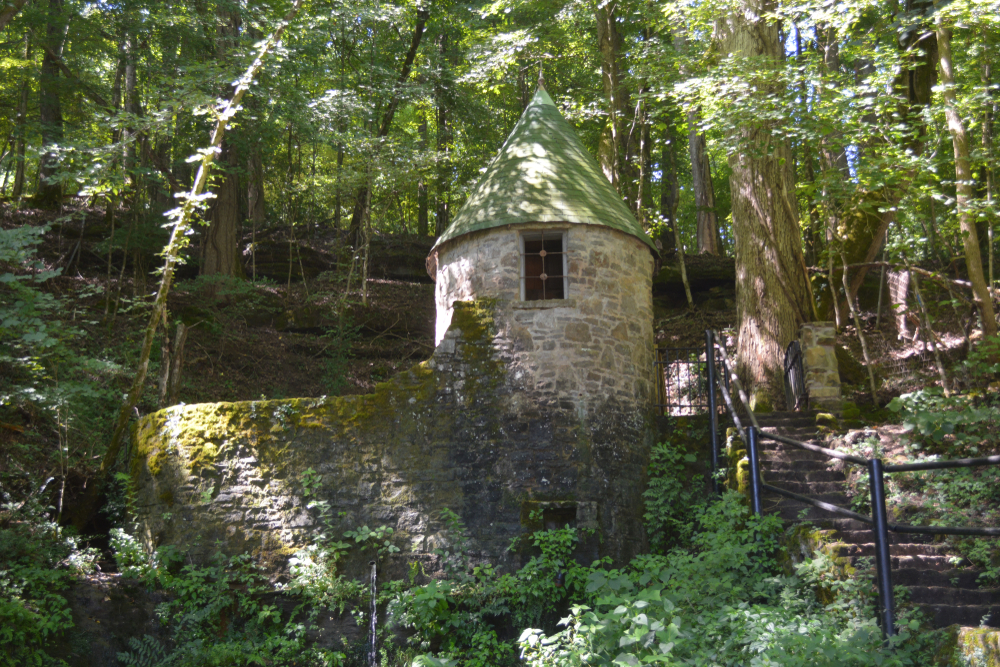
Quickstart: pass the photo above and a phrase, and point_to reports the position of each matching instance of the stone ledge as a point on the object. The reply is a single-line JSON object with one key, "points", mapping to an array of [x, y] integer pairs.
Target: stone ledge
{"points": [[543, 304]]}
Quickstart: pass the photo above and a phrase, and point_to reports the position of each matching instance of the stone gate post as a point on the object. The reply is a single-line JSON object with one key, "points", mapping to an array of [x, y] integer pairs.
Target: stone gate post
{"points": [[819, 360]]}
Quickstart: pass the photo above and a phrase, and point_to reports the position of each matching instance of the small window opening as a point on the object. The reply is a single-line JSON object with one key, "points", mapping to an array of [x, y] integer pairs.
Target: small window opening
{"points": [[543, 266], [557, 518]]}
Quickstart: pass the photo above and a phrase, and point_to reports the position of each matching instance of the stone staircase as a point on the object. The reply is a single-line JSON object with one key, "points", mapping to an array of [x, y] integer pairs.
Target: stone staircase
{"points": [[946, 592]]}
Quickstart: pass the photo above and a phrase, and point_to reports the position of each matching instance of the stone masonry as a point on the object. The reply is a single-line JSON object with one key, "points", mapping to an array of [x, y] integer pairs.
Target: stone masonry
{"points": [[455, 432], [594, 346], [819, 359]]}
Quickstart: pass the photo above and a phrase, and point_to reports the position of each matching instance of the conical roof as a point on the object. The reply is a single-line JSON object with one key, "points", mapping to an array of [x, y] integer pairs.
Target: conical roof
{"points": [[543, 174]]}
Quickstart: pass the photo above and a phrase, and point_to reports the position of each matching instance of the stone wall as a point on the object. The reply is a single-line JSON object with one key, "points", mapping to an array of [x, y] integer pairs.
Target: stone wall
{"points": [[594, 345], [819, 361], [454, 432]]}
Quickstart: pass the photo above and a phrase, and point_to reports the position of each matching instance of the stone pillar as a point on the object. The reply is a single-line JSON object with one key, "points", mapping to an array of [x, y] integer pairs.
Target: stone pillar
{"points": [[819, 360]]}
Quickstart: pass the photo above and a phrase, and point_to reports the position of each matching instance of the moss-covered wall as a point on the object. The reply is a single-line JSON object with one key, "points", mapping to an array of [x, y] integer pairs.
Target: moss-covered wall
{"points": [[458, 431]]}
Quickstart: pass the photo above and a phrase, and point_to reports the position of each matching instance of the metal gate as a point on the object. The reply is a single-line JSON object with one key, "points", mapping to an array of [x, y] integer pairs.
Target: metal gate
{"points": [[682, 380]]}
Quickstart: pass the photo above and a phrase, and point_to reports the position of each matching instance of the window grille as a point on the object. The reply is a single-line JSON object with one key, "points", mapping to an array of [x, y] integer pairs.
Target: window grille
{"points": [[543, 266]]}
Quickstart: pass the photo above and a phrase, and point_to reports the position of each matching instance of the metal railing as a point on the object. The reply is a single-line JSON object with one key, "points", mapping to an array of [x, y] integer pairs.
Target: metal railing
{"points": [[877, 470]]}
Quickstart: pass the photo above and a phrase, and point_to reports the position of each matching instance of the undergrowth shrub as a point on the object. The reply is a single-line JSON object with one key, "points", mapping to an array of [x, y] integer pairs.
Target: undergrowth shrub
{"points": [[219, 614], [671, 496], [37, 563], [721, 602], [949, 427]]}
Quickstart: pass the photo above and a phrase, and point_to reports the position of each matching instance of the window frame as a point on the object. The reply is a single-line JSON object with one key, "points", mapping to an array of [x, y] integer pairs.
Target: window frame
{"points": [[543, 235]]}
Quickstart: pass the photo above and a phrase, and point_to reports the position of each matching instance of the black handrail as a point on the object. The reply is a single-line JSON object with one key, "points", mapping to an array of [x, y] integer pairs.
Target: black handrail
{"points": [[876, 475], [837, 509], [941, 465], [832, 453]]}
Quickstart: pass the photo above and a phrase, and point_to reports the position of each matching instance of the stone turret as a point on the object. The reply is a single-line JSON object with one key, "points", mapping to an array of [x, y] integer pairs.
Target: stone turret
{"points": [[547, 237]]}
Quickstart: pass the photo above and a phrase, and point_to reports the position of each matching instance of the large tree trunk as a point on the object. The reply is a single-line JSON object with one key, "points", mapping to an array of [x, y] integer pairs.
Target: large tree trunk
{"points": [[49, 194], [255, 164], [704, 190], [963, 182], [772, 296], [220, 254], [22, 129], [616, 146], [220, 248]]}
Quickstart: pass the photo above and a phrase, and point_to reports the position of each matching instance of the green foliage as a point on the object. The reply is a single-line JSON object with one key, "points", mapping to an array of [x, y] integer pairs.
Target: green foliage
{"points": [[956, 426], [313, 569], [37, 561], [337, 348], [672, 496], [953, 426], [217, 615], [377, 540], [458, 619], [130, 556], [719, 602]]}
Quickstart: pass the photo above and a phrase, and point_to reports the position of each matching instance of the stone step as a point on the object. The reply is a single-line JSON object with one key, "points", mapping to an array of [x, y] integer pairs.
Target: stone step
{"points": [[834, 496], [865, 535], [811, 489], [948, 595], [802, 418], [793, 432], [904, 549], [803, 465], [842, 524], [793, 454], [938, 563], [821, 518], [952, 578], [778, 477], [941, 616]]}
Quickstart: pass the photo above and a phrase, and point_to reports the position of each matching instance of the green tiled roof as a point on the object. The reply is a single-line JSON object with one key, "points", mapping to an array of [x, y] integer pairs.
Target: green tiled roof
{"points": [[543, 174]]}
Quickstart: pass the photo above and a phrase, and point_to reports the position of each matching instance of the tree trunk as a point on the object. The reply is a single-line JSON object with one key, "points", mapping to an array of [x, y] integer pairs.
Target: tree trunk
{"points": [[49, 194], [668, 188], [704, 190], [255, 186], [772, 295], [363, 196], [442, 220], [22, 129], [615, 148], [220, 253], [988, 121], [171, 364], [422, 217], [963, 182], [131, 104]]}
